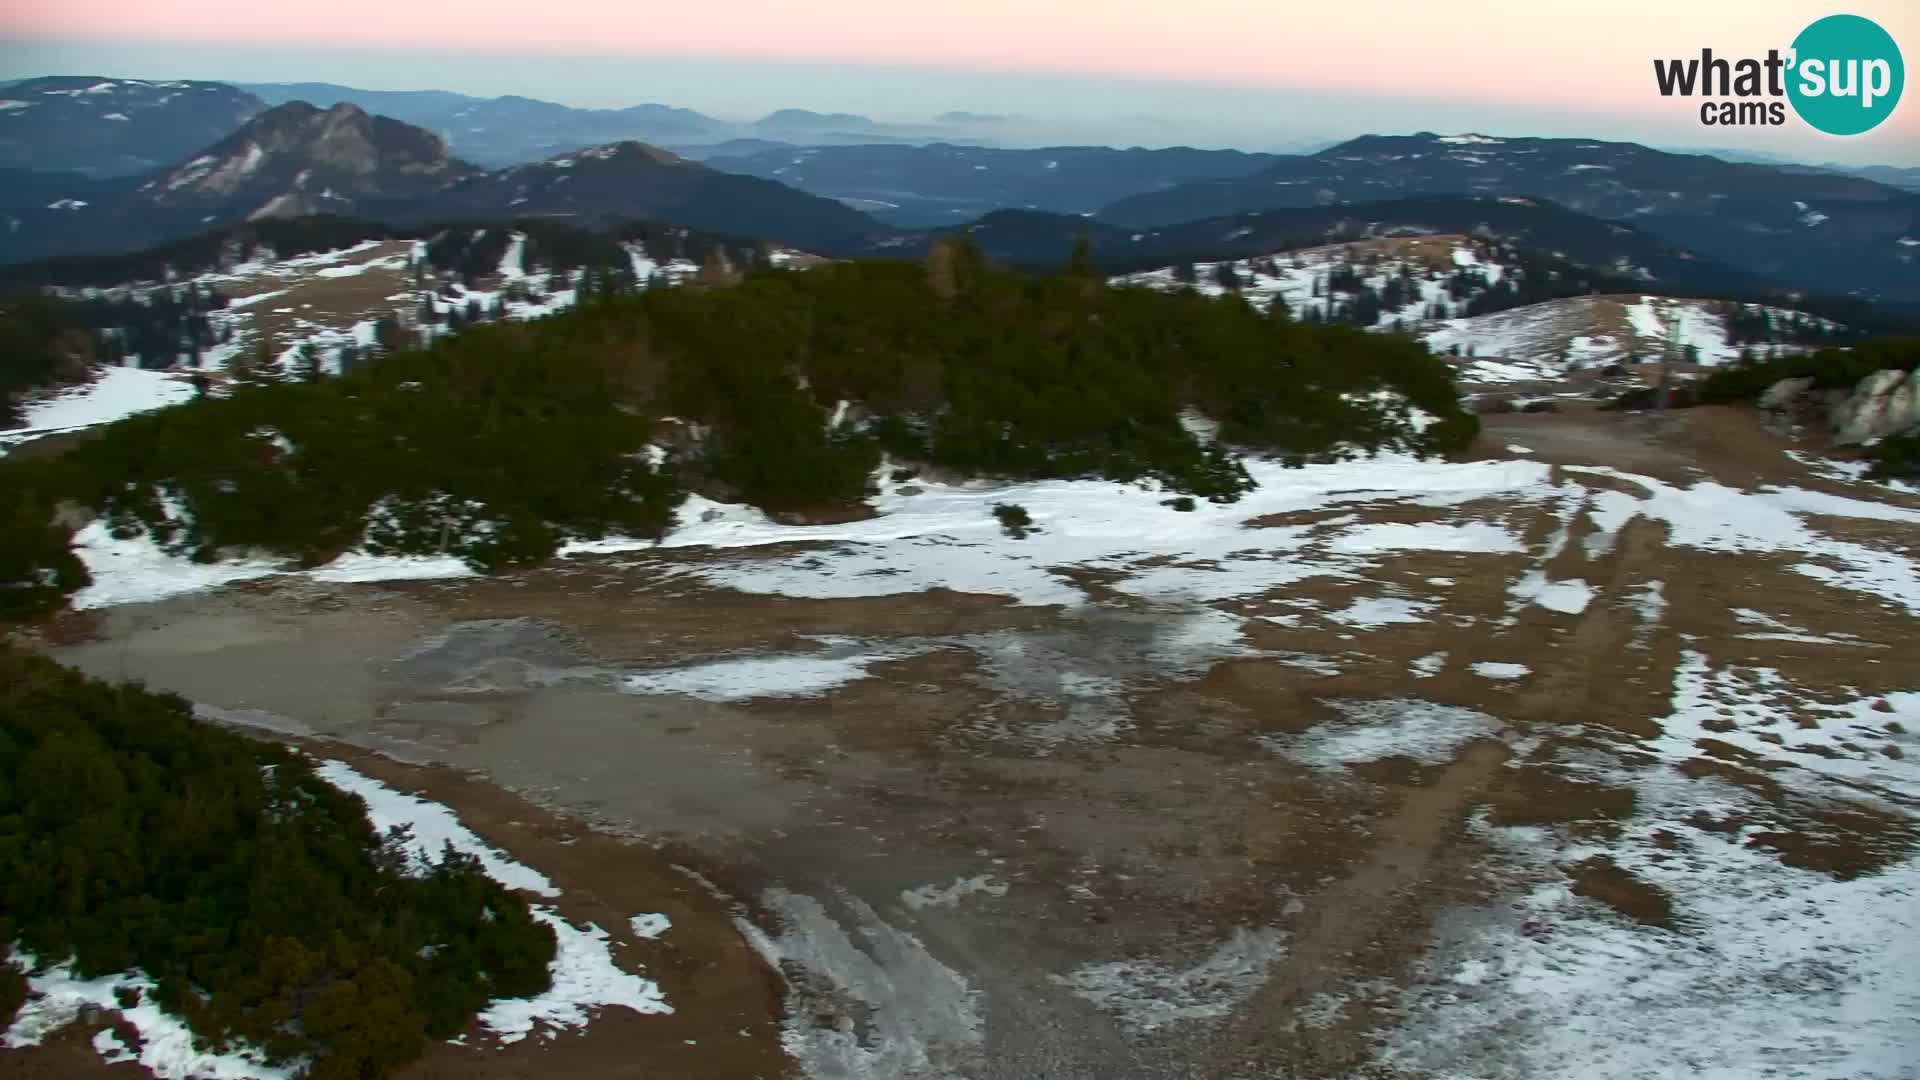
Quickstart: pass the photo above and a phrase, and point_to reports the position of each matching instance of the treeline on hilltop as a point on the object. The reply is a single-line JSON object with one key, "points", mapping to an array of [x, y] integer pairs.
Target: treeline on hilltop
{"points": [[39, 344], [1347, 292], [258, 899], [554, 245], [501, 443], [160, 325]]}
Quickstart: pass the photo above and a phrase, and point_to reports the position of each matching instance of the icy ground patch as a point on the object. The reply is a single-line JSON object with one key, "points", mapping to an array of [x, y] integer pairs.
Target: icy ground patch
{"points": [[1147, 994], [920, 1015], [1372, 730], [746, 678], [585, 978]]}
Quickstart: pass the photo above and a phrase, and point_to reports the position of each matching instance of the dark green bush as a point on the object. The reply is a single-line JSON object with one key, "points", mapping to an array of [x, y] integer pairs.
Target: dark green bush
{"points": [[257, 896], [1897, 458], [1014, 520], [1831, 369]]}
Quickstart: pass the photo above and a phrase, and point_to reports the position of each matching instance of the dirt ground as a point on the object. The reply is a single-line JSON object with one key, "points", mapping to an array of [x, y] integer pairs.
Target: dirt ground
{"points": [[941, 857]]}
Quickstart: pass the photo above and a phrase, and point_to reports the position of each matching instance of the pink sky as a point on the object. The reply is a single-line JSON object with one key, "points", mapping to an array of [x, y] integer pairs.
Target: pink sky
{"points": [[1536, 53]]}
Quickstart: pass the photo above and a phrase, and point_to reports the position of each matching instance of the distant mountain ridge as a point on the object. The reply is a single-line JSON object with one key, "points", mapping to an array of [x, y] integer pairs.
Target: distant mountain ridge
{"points": [[1811, 229], [505, 130], [296, 159], [104, 127], [944, 183]]}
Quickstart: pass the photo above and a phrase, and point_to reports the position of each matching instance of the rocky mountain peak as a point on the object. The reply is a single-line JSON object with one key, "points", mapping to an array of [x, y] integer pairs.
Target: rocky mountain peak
{"points": [[299, 149]]}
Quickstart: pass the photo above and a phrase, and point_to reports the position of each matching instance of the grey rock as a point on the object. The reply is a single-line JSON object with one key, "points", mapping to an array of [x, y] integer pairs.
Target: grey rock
{"points": [[1785, 392], [1880, 405]]}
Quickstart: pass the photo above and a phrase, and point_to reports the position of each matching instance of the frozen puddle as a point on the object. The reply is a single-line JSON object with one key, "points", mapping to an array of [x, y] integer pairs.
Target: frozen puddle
{"points": [[1147, 994], [864, 997], [1370, 730], [747, 678]]}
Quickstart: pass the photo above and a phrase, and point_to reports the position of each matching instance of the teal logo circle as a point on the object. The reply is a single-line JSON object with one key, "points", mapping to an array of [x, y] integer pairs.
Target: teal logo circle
{"points": [[1846, 76]]}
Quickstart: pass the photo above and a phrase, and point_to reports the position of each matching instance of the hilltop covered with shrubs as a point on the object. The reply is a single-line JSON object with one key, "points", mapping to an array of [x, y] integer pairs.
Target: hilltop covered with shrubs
{"points": [[505, 441]]}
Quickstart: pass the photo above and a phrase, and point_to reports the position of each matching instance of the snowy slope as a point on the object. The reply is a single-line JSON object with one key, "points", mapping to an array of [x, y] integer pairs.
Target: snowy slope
{"points": [[1530, 342], [115, 392], [332, 302]]}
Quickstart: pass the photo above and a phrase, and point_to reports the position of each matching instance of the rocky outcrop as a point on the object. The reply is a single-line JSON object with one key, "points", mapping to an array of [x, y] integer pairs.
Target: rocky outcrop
{"points": [[293, 158], [1882, 404], [1786, 392]]}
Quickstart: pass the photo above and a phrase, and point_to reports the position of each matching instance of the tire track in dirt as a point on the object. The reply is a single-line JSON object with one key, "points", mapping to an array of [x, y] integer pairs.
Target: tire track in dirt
{"points": [[1382, 905], [1348, 918], [1591, 661]]}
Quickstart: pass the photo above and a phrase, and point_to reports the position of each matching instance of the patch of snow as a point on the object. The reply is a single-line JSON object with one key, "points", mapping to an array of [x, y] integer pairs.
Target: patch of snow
{"points": [[1709, 516], [946, 537], [1473, 536], [138, 570], [1569, 597], [56, 998], [926, 896], [111, 1049], [1371, 613], [1502, 672], [360, 566], [1426, 667], [513, 261], [116, 393], [432, 828], [650, 925]]}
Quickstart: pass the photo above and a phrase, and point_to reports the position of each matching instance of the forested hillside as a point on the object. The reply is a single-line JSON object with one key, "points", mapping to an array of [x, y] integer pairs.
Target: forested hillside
{"points": [[255, 896], [503, 442]]}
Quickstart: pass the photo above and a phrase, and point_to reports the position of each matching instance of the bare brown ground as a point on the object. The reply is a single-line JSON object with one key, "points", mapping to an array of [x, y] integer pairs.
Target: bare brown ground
{"points": [[1154, 841]]}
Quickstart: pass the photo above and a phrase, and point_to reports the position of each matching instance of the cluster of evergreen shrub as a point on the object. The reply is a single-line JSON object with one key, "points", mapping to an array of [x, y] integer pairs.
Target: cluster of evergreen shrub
{"points": [[264, 907], [499, 444], [1830, 369]]}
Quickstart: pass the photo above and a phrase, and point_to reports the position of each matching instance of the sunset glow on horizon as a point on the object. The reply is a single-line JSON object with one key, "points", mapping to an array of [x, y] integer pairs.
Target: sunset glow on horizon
{"points": [[1519, 56]]}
